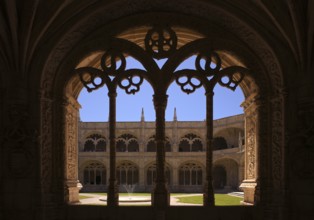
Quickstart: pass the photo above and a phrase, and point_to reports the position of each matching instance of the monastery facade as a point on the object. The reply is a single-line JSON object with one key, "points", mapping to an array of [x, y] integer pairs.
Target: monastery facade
{"points": [[185, 155]]}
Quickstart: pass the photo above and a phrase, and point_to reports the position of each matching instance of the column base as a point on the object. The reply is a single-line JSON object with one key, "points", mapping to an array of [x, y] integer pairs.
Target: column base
{"points": [[160, 196], [248, 187], [72, 191], [208, 196], [113, 194]]}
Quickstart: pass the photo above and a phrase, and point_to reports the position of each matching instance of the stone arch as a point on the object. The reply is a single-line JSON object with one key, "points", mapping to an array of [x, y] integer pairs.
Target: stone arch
{"points": [[95, 142], [190, 142], [127, 143], [150, 173], [229, 169], [127, 173], [219, 143], [151, 144], [266, 72], [191, 176], [232, 135], [219, 177], [93, 176]]}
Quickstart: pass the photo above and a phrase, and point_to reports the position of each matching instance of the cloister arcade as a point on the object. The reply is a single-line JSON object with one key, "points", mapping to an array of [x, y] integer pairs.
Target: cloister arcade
{"points": [[50, 50]]}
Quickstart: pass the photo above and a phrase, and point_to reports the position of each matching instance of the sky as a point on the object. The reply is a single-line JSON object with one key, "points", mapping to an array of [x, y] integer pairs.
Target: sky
{"points": [[192, 107]]}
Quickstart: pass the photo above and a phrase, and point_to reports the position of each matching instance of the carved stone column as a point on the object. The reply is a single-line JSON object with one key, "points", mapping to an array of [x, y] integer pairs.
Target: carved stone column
{"points": [[250, 183], [301, 166], [113, 194], [277, 184], [208, 198], [160, 196], [46, 147], [71, 152]]}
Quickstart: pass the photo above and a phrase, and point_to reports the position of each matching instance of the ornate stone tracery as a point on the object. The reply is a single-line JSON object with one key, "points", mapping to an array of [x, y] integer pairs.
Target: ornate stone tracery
{"points": [[161, 42]]}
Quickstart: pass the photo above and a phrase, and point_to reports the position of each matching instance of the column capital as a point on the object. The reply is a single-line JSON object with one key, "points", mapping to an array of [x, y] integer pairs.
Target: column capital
{"points": [[160, 100], [112, 94]]}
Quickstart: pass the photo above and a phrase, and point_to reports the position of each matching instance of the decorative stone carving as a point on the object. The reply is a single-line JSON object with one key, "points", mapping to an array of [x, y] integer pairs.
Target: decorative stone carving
{"points": [[277, 140], [250, 185], [302, 142], [250, 127], [71, 137], [46, 143], [250, 147], [19, 141], [70, 140]]}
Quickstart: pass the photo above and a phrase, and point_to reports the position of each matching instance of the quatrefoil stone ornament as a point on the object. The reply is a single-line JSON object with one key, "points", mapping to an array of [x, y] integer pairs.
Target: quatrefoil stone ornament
{"points": [[212, 63], [109, 62], [161, 42], [188, 84], [131, 84]]}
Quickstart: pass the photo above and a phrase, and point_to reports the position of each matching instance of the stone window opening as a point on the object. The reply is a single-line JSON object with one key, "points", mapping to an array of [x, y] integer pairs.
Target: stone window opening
{"points": [[229, 77], [95, 174], [151, 144], [127, 174], [190, 143], [151, 175], [127, 143], [95, 142], [190, 174]]}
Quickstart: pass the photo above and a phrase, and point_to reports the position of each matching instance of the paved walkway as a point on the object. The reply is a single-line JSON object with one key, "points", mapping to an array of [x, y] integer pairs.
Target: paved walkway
{"points": [[94, 199]]}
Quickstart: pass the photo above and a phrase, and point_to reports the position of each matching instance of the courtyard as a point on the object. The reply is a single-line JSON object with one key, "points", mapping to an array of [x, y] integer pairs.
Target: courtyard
{"points": [[176, 199]]}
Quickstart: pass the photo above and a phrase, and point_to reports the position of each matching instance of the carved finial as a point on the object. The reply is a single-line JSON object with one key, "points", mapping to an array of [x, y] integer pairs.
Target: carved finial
{"points": [[142, 115], [175, 115]]}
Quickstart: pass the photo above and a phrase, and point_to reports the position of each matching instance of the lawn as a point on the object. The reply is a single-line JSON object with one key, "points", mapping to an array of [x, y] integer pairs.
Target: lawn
{"points": [[220, 200], [123, 194], [135, 194], [84, 197]]}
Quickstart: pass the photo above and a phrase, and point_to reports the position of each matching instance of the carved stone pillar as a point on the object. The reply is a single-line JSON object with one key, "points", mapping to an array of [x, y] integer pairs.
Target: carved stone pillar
{"points": [[160, 196], [71, 152], [277, 183], [46, 147], [301, 166], [250, 183], [113, 194], [208, 198]]}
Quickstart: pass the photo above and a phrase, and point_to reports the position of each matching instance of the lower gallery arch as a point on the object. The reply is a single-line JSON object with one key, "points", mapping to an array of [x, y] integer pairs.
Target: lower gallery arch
{"points": [[191, 177], [226, 175], [127, 174], [93, 176], [150, 172]]}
